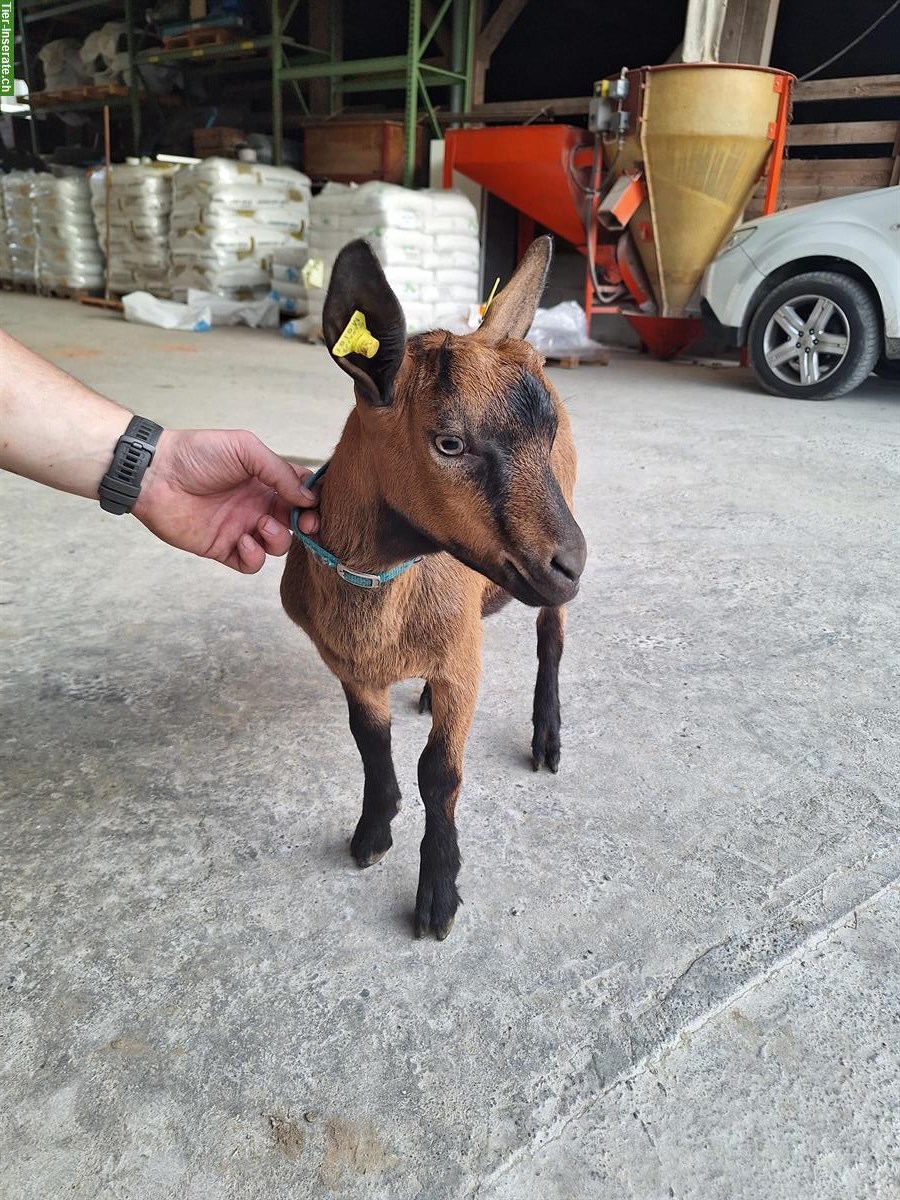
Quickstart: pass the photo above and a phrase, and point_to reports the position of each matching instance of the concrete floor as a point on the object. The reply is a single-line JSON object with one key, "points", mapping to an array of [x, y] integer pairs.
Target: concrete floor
{"points": [[677, 970]]}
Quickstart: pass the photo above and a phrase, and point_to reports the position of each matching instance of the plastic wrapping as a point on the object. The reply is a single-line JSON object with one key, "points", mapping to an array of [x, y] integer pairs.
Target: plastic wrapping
{"points": [[104, 52], [62, 65], [20, 231], [68, 252], [201, 311], [427, 242], [5, 262], [140, 209], [560, 331], [229, 220]]}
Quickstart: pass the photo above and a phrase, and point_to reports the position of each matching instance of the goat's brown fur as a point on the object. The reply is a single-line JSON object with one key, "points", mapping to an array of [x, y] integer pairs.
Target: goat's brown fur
{"points": [[389, 495]]}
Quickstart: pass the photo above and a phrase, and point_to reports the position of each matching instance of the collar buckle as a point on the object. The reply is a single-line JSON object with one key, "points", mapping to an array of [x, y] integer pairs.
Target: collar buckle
{"points": [[361, 579]]}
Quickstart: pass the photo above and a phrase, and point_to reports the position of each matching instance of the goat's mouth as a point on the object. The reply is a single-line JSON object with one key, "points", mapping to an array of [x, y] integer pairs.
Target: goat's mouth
{"points": [[539, 587]]}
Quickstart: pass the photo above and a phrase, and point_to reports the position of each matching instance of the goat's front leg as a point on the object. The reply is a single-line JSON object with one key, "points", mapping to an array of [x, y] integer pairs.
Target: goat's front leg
{"points": [[370, 724], [440, 779], [545, 745]]}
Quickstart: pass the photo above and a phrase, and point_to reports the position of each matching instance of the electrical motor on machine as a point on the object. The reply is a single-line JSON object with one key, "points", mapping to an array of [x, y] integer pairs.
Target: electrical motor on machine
{"points": [[602, 117]]}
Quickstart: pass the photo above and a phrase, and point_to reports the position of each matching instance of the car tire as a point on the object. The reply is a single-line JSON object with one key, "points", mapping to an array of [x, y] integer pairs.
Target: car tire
{"points": [[815, 336]]}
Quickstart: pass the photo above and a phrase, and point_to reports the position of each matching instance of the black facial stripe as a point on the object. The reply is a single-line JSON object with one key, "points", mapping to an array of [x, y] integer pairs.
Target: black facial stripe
{"points": [[492, 476], [531, 408], [443, 380]]}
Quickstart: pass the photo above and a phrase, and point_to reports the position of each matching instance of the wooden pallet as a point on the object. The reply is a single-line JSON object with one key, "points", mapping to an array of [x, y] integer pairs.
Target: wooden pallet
{"points": [[198, 39], [103, 91], [571, 361]]}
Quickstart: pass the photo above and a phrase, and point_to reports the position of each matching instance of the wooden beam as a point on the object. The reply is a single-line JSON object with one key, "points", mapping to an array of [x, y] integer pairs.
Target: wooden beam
{"points": [[748, 31], [855, 88], [515, 111], [843, 133], [497, 28], [321, 12]]}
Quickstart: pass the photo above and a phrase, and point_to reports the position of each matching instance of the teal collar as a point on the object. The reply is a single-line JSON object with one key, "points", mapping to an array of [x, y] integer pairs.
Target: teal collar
{"points": [[360, 579]]}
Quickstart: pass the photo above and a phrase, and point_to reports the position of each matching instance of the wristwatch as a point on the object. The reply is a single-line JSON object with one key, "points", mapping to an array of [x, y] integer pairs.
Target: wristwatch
{"points": [[121, 485]]}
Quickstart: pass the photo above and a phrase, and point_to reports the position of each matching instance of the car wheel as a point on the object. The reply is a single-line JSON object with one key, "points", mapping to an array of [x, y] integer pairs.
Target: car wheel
{"points": [[815, 336]]}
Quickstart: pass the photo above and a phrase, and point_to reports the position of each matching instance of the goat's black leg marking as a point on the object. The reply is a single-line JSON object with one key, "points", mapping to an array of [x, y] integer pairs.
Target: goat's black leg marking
{"points": [[370, 724], [440, 779], [425, 698], [545, 745]]}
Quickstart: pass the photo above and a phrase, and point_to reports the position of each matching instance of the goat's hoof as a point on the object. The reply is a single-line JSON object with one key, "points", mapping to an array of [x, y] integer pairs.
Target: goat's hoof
{"points": [[436, 910], [545, 750], [368, 847], [425, 699]]}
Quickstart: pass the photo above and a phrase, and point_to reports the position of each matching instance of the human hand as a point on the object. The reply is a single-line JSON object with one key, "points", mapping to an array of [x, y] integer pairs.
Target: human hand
{"points": [[223, 494]]}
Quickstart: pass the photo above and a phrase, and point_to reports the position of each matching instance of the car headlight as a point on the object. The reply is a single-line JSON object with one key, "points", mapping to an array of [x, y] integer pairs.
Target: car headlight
{"points": [[737, 239]]}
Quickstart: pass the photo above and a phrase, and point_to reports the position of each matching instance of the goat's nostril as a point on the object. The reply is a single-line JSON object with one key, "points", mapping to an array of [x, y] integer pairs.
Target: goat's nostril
{"points": [[566, 565]]}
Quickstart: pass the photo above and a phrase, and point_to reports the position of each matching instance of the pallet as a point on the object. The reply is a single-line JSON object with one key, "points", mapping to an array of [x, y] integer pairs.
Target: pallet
{"points": [[105, 91], [198, 39], [571, 361]]}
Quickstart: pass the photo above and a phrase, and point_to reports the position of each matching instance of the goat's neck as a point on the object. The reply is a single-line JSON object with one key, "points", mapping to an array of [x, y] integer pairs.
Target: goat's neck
{"points": [[356, 520]]}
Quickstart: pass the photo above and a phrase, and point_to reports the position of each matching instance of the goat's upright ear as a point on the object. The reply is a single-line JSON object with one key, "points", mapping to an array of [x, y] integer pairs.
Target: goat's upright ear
{"points": [[511, 311], [358, 285]]}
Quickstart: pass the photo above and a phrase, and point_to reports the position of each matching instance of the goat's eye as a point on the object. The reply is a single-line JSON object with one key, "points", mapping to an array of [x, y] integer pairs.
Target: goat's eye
{"points": [[451, 446]]}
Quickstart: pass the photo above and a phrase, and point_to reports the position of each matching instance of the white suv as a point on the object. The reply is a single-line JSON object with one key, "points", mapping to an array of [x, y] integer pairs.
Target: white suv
{"points": [[813, 293]]}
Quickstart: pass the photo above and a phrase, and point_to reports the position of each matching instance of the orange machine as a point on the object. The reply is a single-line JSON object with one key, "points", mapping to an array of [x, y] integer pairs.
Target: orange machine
{"points": [[649, 193]]}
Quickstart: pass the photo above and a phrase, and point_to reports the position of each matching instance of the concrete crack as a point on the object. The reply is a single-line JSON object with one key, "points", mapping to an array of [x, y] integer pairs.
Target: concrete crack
{"points": [[657, 1052]]}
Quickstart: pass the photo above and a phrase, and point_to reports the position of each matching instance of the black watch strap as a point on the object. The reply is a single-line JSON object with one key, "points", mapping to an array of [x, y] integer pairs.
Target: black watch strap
{"points": [[121, 485]]}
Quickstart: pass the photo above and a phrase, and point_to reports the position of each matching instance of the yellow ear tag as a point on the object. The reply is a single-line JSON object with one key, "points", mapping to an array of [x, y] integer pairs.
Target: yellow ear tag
{"points": [[356, 339]]}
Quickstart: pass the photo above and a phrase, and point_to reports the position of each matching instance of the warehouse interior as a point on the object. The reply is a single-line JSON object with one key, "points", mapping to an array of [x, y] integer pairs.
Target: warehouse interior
{"points": [[673, 972]]}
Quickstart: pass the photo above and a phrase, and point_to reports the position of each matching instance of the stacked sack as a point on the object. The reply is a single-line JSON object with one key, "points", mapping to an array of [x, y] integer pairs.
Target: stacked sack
{"points": [[5, 263], [426, 241], [68, 251], [229, 220], [140, 209], [20, 231], [62, 65]]}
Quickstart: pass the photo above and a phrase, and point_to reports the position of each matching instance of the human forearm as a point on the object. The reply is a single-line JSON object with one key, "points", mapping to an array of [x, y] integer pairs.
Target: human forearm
{"points": [[53, 429]]}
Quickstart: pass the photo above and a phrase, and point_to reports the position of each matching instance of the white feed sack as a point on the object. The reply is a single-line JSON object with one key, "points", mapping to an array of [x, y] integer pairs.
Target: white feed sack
{"points": [[20, 231], [68, 252], [230, 220], [62, 66], [140, 210], [5, 263], [426, 241]]}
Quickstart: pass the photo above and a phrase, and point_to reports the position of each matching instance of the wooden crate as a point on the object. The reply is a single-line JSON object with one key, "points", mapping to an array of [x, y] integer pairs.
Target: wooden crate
{"points": [[219, 140], [354, 151]]}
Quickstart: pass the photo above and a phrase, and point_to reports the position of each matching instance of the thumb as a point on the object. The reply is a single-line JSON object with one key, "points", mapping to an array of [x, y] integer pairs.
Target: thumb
{"points": [[269, 468]]}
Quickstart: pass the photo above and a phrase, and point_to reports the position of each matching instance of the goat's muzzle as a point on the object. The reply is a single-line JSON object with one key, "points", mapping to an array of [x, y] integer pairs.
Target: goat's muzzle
{"points": [[553, 580]]}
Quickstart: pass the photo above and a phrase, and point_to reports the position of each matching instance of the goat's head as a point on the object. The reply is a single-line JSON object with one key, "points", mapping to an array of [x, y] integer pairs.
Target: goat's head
{"points": [[460, 429]]}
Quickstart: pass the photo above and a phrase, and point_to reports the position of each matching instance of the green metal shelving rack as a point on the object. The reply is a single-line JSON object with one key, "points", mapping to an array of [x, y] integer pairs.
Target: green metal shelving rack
{"points": [[293, 63]]}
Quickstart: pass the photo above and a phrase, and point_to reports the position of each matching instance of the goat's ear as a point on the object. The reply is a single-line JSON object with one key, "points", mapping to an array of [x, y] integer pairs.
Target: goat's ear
{"points": [[511, 311], [358, 284]]}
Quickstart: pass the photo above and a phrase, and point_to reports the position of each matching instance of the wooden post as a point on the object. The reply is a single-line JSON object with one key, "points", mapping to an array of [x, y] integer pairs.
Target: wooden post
{"points": [[748, 31]]}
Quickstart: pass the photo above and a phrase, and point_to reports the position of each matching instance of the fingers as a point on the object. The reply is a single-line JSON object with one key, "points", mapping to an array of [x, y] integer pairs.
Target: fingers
{"points": [[275, 537], [287, 480], [249, 555], [309, 521]]}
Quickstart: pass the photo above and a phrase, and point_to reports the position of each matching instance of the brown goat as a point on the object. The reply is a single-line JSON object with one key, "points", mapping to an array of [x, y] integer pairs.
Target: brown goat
{"points": [[459, 451]]}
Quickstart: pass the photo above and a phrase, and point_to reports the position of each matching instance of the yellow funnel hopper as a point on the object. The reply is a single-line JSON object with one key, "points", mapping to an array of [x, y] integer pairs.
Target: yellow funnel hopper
{"points": [[704, 132]]}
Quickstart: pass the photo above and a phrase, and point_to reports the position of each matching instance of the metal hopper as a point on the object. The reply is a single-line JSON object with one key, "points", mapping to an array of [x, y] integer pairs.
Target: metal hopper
{"points": [[701, 134]]}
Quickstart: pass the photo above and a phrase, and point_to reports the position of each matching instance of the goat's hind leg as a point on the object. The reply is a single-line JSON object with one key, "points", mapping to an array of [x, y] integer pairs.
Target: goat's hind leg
{"points": [[370, 724], [545, 745]]}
